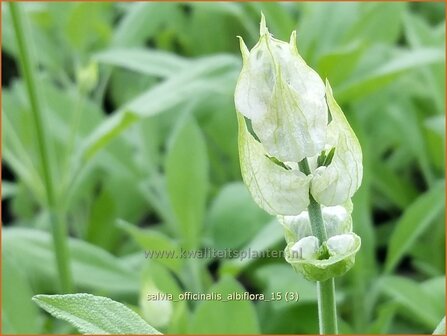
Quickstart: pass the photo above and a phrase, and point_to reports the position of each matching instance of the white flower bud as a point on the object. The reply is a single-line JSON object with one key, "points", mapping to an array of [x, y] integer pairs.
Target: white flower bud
{"points": [[286, 104], [283, 98], [306, 248], [340, 244], [157, 312]]}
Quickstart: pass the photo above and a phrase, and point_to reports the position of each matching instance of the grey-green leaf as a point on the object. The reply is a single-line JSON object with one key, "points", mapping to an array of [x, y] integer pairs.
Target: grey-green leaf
{"points": [[152, 63], [377, 78], [156, 242], [208, 75], [94, 314], [92, 267], [270, 235], [412, 299], [16, 304], [187, 179], [414, 222]]}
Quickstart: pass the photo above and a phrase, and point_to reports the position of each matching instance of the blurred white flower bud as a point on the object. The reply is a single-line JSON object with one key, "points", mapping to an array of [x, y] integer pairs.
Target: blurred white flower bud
{"points": [[156, 312], [87, 77]]}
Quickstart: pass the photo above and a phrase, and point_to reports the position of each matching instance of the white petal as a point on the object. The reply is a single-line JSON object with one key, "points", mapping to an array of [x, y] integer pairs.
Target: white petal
{"points": [[337, 183], [255, 84], [337, 220], [275, 189], [340, 244], [306, 248], [296, 227], [294, 125]]}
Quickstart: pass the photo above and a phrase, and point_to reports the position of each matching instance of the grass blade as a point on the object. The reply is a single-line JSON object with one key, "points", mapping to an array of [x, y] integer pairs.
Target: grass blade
{"points": [[208, 75]]}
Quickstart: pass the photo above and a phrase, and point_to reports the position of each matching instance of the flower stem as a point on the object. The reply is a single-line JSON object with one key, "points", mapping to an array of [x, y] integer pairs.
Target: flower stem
{"points": [[27, 69], [327, 310]]}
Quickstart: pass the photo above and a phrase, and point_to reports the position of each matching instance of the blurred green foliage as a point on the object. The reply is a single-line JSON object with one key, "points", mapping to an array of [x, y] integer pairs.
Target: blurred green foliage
{"points": [[140, 120]]}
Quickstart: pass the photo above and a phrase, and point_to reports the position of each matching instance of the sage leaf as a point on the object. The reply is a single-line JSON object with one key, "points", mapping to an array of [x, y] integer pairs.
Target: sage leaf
{"points": [[94, 314]]}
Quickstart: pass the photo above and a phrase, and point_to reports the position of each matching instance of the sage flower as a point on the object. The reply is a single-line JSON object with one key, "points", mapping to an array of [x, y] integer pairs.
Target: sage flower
{"points": [[286, 114], [333, 257]]}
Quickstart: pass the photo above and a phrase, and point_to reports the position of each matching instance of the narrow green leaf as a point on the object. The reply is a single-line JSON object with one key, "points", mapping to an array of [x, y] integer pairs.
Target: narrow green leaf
{"points": [[16, 301], [153, 62], [280, 19], [405, 119], [378, 22], [103, 212], [340, 62], [156, 244], [412, 299], [92, 267], [107, 131], [385, 316], [323, 26], [364, 84], [230, 9], [187, 179], [14, 153], [215, 74], [270, 235], [141, 21], [435, 289], [94, 314], [234, 218], [393, 186], [87, 22], [414, 221], [156, 194]]}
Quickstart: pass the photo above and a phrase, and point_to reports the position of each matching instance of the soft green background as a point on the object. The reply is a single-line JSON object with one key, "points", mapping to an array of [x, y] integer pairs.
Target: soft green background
{"points": [[144, 156]]}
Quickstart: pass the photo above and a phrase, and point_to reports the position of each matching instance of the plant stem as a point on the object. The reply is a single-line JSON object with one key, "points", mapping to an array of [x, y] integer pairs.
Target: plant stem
{"points": [[327, 311], [27, 70]]}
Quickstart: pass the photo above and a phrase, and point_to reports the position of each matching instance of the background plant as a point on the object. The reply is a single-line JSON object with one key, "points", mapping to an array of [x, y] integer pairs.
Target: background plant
{"points": [[139, 118]]}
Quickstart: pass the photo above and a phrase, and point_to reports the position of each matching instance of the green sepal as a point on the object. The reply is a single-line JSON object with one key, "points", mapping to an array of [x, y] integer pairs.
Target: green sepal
{"points": [[324, 269]]}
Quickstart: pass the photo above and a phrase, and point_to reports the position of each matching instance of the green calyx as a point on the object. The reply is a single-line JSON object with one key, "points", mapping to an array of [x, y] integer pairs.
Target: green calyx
{"points": [[333, 257], [324, 266]]}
